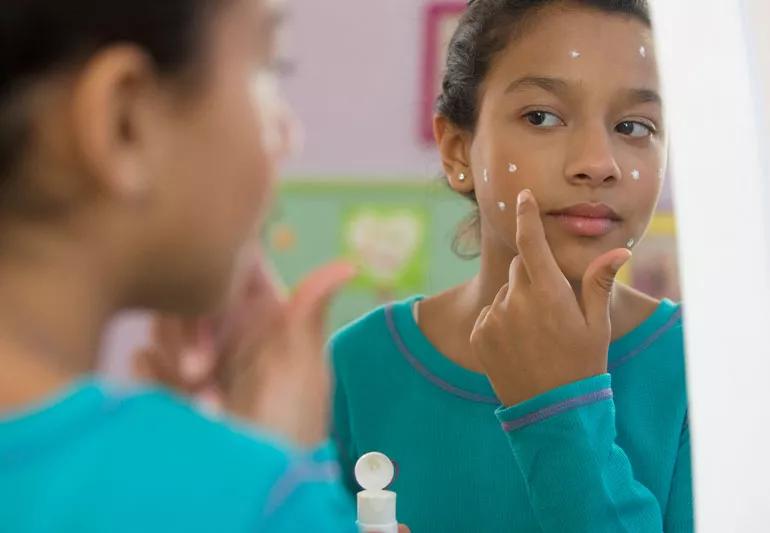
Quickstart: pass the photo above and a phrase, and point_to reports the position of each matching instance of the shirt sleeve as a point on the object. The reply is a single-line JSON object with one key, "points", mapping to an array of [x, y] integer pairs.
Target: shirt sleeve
{"points": [[578, 479], [309, 497]]}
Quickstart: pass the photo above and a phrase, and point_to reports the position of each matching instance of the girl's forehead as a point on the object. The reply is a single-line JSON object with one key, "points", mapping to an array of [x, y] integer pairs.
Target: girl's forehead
{"points": [[567, 22], [586, 46]]}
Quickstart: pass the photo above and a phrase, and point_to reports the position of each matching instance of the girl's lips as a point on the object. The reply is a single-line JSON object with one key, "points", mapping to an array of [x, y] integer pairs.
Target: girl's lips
{"points": [[586, 226], [587, 220]]}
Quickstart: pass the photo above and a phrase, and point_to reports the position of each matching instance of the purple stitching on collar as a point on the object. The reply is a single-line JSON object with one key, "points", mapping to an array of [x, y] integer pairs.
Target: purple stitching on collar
{"points": [[650, 340], [427, 374], [553, 410], [305, 472]]}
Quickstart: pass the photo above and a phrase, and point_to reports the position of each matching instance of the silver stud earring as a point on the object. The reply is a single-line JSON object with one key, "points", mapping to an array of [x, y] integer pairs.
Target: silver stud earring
{"points": [[461, 177]]}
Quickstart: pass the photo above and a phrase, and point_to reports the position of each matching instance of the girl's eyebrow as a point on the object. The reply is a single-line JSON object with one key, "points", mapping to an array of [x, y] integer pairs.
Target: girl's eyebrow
{"points": [[644, 96], [559, 87], [552, 85]]}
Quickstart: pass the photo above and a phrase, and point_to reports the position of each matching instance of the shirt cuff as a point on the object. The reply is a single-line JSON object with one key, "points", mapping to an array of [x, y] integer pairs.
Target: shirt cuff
{"points": [[554, 402]]}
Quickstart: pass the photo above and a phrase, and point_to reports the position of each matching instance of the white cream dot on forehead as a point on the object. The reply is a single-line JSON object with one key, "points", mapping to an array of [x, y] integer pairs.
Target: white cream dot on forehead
{"points": [[501, 206], [574, 54], [486, 176], [635, 175], [512, 168]]}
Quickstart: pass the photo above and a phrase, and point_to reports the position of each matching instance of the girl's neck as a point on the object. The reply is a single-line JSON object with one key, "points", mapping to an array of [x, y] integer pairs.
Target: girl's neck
{"points": [[51, 319]]}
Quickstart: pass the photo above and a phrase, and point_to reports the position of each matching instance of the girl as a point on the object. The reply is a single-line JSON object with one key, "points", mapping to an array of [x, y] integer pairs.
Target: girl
{"points": [[538, 396], [120, 124]]}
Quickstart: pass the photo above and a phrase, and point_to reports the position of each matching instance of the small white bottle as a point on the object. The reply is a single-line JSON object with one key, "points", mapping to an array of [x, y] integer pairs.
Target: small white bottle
{"points": [[376, 506]]}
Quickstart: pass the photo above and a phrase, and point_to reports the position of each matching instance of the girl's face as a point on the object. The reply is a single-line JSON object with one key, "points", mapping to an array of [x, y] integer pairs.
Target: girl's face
{"points": [[571, 110], [216, 158]]}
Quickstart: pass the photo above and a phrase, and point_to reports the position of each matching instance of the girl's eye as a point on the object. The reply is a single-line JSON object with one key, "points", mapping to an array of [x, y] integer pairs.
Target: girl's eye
{"points": [[543, 119], [634, 129]]}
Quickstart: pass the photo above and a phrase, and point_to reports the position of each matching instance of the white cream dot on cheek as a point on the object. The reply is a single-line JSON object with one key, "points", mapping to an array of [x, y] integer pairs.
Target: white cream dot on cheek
{"points": [[486, 176], [643, 51], [574, 54], [512, 168], [635, 174], [266, 100], [502, 206]]}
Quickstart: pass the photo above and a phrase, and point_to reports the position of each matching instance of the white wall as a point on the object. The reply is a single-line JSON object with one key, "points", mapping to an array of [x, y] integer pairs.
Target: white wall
{"points": [[714, 75], [357, 87]]}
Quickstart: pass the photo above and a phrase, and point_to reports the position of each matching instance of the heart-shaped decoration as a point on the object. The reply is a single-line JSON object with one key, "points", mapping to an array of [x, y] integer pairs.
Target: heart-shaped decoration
{"points": [[385, 244]]}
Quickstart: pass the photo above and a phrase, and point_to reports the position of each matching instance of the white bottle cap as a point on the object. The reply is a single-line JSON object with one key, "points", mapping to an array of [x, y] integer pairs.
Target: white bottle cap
{"points": [[376, 507], [374, 471]]}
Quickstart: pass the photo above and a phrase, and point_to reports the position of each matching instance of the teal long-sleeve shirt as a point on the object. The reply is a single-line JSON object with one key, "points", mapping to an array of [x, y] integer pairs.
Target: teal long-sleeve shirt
{"points": [[97, 459], [606, 454]]}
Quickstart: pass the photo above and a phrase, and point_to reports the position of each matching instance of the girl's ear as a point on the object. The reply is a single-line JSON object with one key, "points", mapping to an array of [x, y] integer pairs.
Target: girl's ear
{"points": [[111, 113], [454, 146]]}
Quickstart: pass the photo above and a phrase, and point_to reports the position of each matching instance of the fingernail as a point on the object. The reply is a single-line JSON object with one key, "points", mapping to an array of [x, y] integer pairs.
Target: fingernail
{"points": [[524, 197]]}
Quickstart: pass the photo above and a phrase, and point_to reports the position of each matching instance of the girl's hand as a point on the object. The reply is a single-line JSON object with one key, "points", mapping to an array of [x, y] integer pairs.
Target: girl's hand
{"points": [[263, 360], [537, 335], [276, 374]]}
